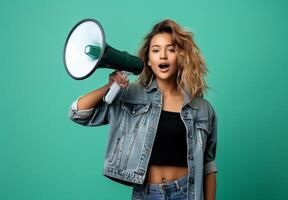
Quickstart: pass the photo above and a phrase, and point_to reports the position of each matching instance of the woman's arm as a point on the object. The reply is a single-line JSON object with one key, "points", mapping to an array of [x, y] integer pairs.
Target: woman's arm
{"points": [[210, 186], [210, 168], [90, 109], [91, 99]]}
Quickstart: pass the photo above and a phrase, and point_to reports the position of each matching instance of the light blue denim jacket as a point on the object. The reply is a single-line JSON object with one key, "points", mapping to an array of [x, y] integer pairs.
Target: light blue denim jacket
{"points": [[133, 117]]}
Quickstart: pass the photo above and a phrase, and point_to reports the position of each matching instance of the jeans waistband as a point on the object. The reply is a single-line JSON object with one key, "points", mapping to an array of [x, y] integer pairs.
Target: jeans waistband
{"points": [[167, 187]]}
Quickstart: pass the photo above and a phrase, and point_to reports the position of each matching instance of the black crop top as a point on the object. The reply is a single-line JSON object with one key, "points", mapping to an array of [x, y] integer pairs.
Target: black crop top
{"points": [[170, 146]]}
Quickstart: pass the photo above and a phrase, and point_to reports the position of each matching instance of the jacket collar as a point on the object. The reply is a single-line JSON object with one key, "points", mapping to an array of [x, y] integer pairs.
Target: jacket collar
{"points": [[191, 103], [152, 86]]}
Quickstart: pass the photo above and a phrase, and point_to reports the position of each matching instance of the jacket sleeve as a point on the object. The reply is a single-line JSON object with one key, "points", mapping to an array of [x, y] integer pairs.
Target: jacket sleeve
{"points": [[92, 117], [210, 151]]}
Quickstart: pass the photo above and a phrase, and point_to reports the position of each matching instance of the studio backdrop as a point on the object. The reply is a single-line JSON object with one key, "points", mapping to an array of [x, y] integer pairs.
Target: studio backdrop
{"points": [[44, 155]]}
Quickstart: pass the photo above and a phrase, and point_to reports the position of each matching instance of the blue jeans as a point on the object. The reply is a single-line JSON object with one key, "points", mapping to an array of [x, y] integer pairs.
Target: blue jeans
{"points": [[173, 190]]}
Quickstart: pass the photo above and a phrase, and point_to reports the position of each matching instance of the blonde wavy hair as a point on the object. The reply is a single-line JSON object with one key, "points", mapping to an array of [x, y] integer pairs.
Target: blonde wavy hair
{"points": [[191, 65]]}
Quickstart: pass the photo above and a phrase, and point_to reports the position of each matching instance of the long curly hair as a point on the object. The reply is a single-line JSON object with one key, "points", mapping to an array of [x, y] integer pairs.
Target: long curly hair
{"points": [[191, 65]]}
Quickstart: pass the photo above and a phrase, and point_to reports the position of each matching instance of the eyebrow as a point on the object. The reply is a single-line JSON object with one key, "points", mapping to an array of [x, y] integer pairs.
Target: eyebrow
{"points": [[155, 45]]}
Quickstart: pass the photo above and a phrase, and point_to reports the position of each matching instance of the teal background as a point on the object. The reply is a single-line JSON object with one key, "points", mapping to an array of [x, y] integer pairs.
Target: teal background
{"points": [[44, 156]]}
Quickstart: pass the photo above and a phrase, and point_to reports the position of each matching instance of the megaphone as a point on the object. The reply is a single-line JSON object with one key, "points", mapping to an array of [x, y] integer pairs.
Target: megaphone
{"points": [[86, 50]]}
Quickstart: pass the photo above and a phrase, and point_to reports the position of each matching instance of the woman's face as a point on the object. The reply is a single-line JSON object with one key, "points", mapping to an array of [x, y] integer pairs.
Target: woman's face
{"points": [[163, 57]]}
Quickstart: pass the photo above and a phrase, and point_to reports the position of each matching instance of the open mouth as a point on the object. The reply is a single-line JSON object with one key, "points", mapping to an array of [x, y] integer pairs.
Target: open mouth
{"points": [[163, 65]]}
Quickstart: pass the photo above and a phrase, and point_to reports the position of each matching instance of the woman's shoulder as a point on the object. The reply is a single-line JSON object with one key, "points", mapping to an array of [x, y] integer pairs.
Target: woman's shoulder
{"points": [[203, 105], [134, 91]]}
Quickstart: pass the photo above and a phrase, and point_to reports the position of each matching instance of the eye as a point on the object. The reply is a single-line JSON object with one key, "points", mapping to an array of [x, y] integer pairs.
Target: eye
{"points": [[155, 50], [172, 50]]}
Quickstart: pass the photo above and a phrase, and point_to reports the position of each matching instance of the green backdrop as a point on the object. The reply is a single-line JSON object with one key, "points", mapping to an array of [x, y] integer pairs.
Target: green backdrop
{"points": [[44, 156]]}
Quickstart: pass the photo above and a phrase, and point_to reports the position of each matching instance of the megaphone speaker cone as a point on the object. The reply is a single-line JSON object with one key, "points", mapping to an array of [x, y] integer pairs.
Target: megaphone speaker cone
{"points": [[87, 32]]}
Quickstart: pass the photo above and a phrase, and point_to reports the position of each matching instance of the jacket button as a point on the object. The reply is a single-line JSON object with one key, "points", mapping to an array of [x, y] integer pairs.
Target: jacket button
{"points": [[191, 180], [191, 157], [190, 136]]}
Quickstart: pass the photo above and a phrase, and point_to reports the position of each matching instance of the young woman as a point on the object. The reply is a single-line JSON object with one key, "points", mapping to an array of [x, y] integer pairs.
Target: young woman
{"points": [[162, 138]]}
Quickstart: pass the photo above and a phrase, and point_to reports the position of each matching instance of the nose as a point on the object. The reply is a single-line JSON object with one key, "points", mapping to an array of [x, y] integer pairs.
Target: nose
{"points": [[163, 55]]}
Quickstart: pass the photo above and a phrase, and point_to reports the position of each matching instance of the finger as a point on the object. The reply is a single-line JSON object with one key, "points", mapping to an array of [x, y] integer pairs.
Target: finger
{"points": [[125, 84], [113, 75], [118, 79], [121, 75], [121, 78], [112, 79]]}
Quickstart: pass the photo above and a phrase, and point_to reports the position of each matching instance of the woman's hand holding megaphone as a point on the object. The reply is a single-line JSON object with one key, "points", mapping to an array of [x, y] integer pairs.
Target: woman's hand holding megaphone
{"points": [[90, 100], [119, 78]]}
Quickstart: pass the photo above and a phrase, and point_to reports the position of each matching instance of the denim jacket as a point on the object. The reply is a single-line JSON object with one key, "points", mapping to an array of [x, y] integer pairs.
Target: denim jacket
{"points": [[133, 117]]}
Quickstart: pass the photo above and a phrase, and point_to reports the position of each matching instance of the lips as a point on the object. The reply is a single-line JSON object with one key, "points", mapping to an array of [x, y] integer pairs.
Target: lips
{"points": [[163, 65]]}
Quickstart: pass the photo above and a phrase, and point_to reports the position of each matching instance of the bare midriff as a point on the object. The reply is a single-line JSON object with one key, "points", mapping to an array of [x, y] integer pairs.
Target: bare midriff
{"points": [[161, 174]]}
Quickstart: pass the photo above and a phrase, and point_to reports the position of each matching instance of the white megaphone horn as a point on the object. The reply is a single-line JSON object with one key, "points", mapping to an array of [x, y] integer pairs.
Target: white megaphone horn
{"points": [[86, 50]]}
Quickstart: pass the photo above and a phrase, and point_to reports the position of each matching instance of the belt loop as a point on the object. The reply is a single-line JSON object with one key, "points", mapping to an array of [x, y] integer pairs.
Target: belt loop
{"points": [[177, 185], [147, 189]]}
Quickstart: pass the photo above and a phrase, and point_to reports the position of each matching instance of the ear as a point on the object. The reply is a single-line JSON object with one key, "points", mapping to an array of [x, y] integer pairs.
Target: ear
{"points": [[148, 63]]}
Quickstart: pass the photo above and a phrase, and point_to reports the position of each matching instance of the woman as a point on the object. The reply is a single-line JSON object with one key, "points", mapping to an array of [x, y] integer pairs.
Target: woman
{"points": [[163, 133]]}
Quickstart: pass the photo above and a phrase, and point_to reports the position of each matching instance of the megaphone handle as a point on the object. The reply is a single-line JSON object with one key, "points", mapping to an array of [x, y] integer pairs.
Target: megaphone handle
{"points": [[114, 89]]}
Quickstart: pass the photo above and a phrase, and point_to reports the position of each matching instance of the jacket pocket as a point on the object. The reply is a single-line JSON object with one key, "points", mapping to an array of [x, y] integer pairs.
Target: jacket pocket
{"points": [[135, 108], [134, 116]]}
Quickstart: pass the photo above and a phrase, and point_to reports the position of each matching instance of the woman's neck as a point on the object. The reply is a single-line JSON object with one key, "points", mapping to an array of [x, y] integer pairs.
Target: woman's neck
{"points": [[168, 87]]}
